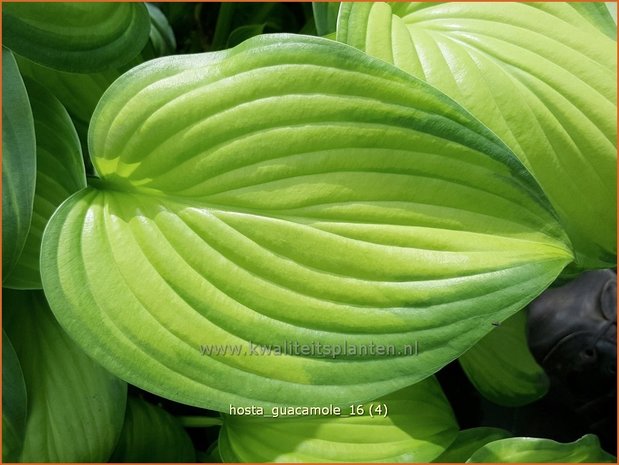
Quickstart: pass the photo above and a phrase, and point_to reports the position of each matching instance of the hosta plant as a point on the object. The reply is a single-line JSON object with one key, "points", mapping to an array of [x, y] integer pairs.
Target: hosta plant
{"points": [[295, 222]]}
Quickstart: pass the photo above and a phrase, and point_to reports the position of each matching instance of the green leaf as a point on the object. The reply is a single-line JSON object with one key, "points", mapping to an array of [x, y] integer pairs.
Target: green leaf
{"points": [[212, 455], [291, 190], [502, 368], [599, 15], [18, 163], [546, 85], [325, 17], [242, 33], [468, 441], [14, 403], [75, 407], [78, 92], [518, 450], [417, 426], [151, 434], [74, 36], [161, 37], [60, 173]]}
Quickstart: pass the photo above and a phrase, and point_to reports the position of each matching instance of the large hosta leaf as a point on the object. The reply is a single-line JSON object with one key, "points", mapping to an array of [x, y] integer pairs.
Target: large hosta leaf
{"points": [[60, 172], [502, 367], [14, 401], [18, 163], [75, 407], [520, 450], [150, 434], [417, 427], [540, 75], [74, 36], [289, 192]]}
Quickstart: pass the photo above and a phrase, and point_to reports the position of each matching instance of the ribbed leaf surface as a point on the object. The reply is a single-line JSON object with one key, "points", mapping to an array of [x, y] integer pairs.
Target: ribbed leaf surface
{"points": [[542, 76], [18, 163], [291, 190], [502, 367], [75, 407], [76, 36], [60, 173], [519, 450], [469, 441], [418, 426]]}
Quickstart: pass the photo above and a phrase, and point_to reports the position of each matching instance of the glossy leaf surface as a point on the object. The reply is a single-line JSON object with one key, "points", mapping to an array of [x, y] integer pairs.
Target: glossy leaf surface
{"points": [[418, 426], [518, 450], [291, 190], [76, 36], [502, 367], [60, 173], [18, 163], [469, 441], [540, 75], [75, 407]]}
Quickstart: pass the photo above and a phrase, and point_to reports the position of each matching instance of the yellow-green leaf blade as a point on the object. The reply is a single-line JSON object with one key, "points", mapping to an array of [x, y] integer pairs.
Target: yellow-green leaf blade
{"points": [[502, 367], [541, 76], [414, 425], [291, 190]]}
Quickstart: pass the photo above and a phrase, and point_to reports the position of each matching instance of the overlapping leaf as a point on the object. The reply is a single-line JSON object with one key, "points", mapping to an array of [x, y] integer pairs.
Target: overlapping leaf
{"points": [[542, 76], [292, 189], [325, 17], [150, 434], [75, 407], [60, 173], [14, 403], [468, 442], [502, 367], [80, 92], [520, 450], [75, 36], [161, 36], [18, 163], [418, 426]]}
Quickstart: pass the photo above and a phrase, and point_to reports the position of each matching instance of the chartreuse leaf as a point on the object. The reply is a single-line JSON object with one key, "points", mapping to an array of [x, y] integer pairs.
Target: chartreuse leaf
{"points": [[518, 450], [468, 441], [291, 193], [14, 402], [60, 172], [598, 14], [417, 426], [150, 434], [18, 163], [75, 407], [75, 36], [539, 75], [502, 368]]}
